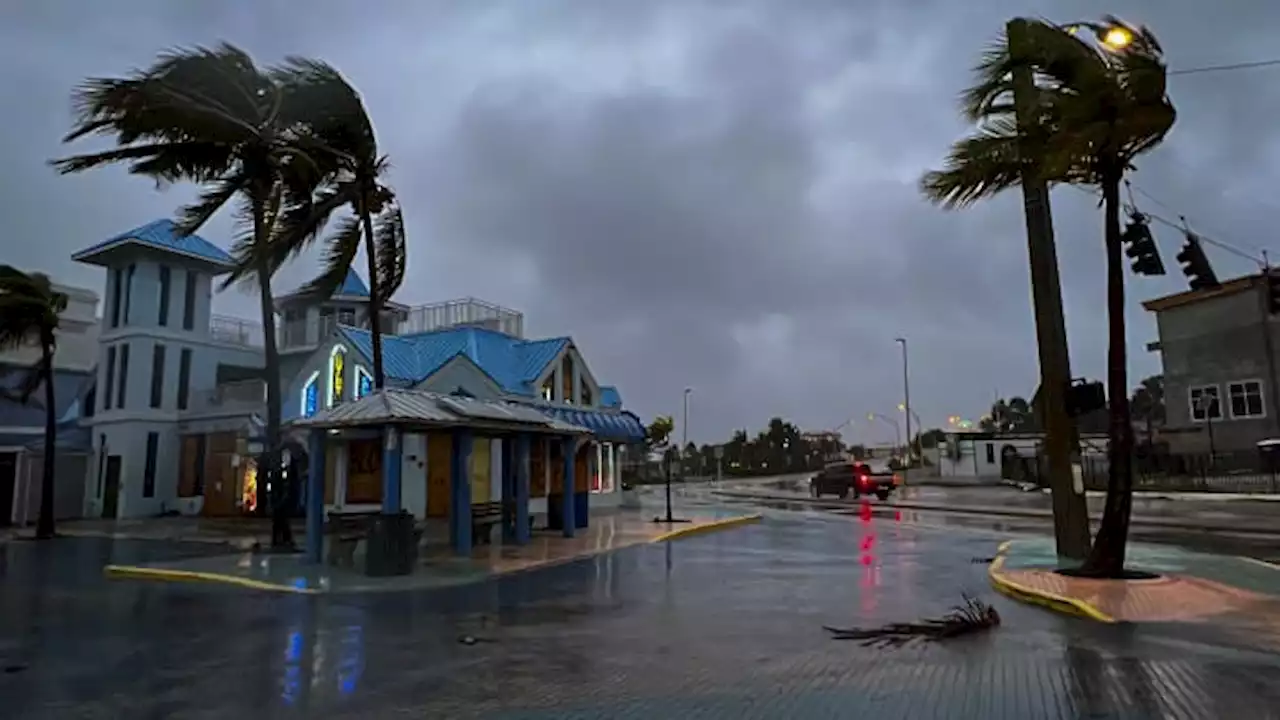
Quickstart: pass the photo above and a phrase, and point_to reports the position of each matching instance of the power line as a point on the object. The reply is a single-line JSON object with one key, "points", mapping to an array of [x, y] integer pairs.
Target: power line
{"points": [[1226, 68]]}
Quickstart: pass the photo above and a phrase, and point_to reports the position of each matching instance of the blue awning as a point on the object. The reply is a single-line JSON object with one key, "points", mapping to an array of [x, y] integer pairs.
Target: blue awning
{"points": [[623, 427]]}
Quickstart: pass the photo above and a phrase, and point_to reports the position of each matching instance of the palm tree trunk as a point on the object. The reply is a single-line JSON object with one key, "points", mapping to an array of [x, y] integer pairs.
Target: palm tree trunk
{"points": [[375, 296], [1106, 559], [268, 477], [44, 524]]}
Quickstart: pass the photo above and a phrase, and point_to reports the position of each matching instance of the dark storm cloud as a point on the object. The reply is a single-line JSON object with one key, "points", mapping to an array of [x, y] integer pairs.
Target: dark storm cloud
{"points": [[706, 194]]}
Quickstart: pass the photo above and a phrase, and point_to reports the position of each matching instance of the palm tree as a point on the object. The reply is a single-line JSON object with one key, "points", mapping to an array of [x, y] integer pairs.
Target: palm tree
{"points": [[213, 117], [338, 120], [29, 312], [1099, 108]]}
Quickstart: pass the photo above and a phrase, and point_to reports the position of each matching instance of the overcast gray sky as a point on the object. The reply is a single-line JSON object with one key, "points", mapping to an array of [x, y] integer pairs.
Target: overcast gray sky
{"points": [[707, 193]]}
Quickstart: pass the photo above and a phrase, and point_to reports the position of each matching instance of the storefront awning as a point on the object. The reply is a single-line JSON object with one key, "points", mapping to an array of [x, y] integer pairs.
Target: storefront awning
{"points": [[620, 427]]}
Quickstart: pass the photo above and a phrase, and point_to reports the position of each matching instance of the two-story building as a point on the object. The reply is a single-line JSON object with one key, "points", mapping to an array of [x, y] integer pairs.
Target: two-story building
{"points": [[1220, 381], [181, 392]]}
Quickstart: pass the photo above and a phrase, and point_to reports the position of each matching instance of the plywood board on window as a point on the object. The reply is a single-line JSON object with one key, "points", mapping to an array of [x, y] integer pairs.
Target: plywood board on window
{"points": [[364, 471]]}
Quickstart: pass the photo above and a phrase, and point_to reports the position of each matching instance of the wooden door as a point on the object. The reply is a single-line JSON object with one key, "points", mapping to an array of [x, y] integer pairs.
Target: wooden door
{"points": [[538, 468], [188, 467], [111, 493], [220, 486], [439, 465]]}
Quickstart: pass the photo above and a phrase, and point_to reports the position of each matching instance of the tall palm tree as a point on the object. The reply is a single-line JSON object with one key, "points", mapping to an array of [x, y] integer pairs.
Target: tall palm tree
{"points": [[338, 119], [1099, 108], [213, 117], [29, 312]]}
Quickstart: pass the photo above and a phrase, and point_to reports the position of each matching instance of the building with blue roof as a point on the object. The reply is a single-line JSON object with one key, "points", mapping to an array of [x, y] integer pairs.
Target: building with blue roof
{"points": [[180, 392]]}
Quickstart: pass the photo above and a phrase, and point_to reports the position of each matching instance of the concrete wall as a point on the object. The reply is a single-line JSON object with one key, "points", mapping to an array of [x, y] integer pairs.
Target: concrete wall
{"points": [[1215, 342]]}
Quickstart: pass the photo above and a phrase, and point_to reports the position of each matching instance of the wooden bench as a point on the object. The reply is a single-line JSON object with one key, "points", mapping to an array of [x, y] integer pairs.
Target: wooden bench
{"points": [[345, 531], [483, 517]]}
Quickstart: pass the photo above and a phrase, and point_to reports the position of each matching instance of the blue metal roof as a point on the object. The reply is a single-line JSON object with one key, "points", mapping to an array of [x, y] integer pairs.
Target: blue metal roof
{"points": [[67, 390], [353, 285], [610, 397], [608, 426], [514, 364], [160, 235]]}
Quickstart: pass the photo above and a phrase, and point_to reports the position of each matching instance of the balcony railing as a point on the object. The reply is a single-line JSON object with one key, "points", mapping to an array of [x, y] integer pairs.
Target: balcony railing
{"points": [[235, 331], [241, 395], [467, 311]]}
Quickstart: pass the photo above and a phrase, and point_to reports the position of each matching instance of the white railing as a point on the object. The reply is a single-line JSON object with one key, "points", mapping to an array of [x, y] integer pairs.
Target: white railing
{"points": [[235, 331], [467, 311], [240, 395]]}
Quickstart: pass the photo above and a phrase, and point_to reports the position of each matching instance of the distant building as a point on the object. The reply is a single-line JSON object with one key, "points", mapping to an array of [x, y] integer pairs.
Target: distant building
{"points": [[1219, 376]]}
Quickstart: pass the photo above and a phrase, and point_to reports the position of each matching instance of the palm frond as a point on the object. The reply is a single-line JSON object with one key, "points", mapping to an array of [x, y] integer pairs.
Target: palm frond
{"points": [[391, 251], [190, 218], [971, 616], [977, 167], [341, 249], [319, 101]]}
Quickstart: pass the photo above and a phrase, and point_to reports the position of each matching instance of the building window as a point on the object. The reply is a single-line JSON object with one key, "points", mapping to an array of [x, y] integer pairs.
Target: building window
{"points": [[1204, 403], [566, 378], [991, 453], [189, 302], [164, 295], [128, 290], [149, 473], [122, 390], [311, 395], [337, 368], [184, 378], [549, 388], [117, 290], [364, 382], [1246, 399], [157, 376], [111, 378], [347, 316], [587, 398]]}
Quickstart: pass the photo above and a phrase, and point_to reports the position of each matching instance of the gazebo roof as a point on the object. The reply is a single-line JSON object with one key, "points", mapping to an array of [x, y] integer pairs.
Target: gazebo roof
{"points": [[419, 408]]}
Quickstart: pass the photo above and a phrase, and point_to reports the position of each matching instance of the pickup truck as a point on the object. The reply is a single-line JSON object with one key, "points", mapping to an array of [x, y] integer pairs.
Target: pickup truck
{"points": [[844, 478]]}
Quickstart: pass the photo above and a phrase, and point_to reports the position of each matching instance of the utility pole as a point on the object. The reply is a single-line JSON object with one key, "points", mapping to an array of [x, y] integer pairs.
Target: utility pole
{"points": [[1070, 515], [1268, 344], [684, 431], [906, 407]]}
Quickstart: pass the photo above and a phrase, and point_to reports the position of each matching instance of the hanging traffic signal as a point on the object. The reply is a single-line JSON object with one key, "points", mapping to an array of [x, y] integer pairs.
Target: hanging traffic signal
{"points": [[1142, 246], [1273, 292], [1196, 266]]}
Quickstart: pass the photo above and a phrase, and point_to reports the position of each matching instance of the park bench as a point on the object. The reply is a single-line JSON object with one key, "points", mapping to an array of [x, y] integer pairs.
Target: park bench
{"points": [[345, 531], [483, 517]]}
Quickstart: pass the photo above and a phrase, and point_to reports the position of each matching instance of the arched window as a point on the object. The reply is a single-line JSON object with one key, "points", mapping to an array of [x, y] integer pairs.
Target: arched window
{"points": [[311, 395], [337, 374], [364, 382]]}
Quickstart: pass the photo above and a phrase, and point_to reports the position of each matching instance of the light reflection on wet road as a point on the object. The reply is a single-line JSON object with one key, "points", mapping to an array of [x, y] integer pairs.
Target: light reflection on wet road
{"points": [[726, 624]]}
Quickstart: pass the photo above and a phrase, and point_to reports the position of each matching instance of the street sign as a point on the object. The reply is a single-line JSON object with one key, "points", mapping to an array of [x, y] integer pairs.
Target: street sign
{"points": [[719, 451]]}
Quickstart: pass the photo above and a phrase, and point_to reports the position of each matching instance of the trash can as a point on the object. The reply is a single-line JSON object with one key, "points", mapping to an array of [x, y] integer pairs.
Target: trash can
{"points": [[392, 547]]}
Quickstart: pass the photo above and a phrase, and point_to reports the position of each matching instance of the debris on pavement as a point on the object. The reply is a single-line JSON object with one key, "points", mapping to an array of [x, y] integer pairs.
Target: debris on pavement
{"points": [[972, 616]]}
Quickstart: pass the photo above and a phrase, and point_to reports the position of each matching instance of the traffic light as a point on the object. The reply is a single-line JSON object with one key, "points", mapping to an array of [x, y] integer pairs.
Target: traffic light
{"points": [[1142, 246], [1196, 266], [1273, 292]]}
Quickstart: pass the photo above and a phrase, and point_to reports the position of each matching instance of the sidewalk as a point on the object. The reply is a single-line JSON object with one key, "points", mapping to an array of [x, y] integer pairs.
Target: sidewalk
{"points": [[1239, 595], [1270, 527], [437, 566]]}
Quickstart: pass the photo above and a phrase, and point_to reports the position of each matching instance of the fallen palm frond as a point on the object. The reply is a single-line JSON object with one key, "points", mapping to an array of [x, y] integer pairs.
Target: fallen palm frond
{"points": [[972, 616]]}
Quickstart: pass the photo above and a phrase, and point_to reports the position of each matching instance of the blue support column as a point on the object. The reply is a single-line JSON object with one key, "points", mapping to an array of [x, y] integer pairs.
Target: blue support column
{"points": [[460, 493], [315, 496], [567, 491], [391, 444], [508, 490], [520, 478]]}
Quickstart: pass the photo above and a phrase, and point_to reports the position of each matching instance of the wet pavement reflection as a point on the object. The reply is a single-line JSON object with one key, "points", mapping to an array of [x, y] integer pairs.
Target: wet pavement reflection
{"points": [[726, 625]]}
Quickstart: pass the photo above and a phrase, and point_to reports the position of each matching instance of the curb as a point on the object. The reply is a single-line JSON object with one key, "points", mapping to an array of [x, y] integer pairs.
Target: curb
{"points": [[165, 575], [708, 527], [1052, 601]]}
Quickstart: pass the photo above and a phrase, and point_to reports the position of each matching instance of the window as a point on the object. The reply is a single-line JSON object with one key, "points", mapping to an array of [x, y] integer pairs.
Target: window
{"points": [[122, 391], [311, 395], [117, 290], [189, 302], [164, 295], [184, 378], [149, 473], [587, 398], [347, 316], [111, 378], [128, 290], [1245, 397], [548, 389], [1204, 403], [364, 382], [337, 366], [566, 378], [991, 453], [157, 376]]}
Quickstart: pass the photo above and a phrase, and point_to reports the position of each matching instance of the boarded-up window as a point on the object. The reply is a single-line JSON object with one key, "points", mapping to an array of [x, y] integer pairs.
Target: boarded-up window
{"points": [[364, 471], [538, 468], [480, 469], [189, 469]]}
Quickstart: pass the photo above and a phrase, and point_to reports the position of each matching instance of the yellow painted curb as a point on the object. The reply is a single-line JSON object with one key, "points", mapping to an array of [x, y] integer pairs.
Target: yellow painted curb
{"points": [[700, 528], [1053, 601], [167, 575]]}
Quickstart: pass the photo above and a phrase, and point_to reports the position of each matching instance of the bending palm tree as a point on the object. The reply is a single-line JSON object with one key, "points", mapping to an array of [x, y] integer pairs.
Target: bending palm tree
{"points": [[211, 116], [29, 311], [338, 119], [1098, 109]]}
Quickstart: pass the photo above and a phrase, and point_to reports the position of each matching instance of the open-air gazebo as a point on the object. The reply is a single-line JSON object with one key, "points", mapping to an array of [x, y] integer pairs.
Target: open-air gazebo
{"points": [[435, 425]]}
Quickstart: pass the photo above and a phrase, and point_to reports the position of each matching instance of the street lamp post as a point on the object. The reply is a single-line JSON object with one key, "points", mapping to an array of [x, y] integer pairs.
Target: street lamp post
{"points": [[906, 405], [897, 429], [684, 430]]}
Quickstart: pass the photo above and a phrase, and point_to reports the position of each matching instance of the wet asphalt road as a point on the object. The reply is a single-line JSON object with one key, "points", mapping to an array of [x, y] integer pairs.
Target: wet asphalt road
{"points": [[723, 625]]}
